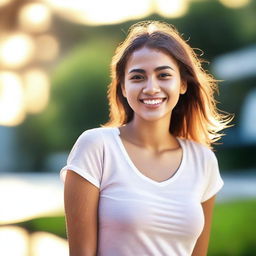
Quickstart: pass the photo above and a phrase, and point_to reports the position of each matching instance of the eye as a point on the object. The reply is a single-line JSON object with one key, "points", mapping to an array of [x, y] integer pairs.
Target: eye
{"points": [[137, 77], [164, 75]]}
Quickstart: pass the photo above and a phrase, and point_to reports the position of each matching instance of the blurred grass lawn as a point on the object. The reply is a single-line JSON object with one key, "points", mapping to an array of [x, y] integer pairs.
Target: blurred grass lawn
{"points": [[233, 228]]}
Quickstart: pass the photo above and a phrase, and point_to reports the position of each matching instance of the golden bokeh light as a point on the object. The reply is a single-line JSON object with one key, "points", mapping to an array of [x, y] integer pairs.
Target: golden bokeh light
{"points": [[11, 99], [172, 8], [4, 2], [113, 11], [121, 10], [36, 90], [235, 3], [16, 50], [35, 17], [101, 12], [14, 241], [47, 48], [43, 243]]}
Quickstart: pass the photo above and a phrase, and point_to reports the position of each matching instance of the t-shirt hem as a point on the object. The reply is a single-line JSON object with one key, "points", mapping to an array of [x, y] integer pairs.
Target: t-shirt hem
{"points": [[79, 171]]}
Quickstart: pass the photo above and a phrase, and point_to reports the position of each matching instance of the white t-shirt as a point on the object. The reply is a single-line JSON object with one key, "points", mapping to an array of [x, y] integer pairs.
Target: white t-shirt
{"points": [[137, 215]]}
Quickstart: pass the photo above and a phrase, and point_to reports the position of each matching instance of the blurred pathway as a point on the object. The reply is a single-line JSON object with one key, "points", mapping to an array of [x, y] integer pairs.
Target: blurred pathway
{"points": [[29, 195]]}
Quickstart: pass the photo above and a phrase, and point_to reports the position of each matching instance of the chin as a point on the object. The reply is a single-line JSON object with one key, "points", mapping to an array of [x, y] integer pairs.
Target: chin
{"points": [[153, 118]]}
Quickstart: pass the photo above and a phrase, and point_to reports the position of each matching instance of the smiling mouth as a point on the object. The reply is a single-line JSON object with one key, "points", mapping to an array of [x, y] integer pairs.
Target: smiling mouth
{"points": [[153, 101]]}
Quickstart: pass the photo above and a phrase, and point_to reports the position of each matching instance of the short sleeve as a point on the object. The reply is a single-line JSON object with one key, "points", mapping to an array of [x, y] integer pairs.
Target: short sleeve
{"points": [[213, 180], [86, 158]]}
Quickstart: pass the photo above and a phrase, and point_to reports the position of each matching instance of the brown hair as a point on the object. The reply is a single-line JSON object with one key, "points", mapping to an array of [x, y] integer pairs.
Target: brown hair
{"points": [[195, 116]]}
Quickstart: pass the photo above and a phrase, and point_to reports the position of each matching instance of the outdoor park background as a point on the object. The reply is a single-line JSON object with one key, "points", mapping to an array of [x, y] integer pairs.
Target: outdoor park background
{"points": [[54, 72]]}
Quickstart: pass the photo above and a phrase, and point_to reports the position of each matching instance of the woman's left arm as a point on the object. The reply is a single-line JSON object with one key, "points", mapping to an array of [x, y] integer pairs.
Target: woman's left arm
{"points": [[202, 243]]}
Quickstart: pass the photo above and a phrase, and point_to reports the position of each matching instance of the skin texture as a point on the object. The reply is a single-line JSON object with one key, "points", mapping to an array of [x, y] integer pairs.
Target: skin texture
{"points": [[150, 73], [147, 140], [81, 207], [202, 243]]}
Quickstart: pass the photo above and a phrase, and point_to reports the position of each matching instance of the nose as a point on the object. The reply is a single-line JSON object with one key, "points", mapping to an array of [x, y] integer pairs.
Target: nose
{"points": [[151, 87]]}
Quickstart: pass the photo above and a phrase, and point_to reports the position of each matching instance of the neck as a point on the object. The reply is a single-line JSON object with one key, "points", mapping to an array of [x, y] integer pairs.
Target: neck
{"points": [[152, 135]]}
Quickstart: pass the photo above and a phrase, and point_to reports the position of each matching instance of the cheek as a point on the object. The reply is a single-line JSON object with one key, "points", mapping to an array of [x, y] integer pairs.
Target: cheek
{"points": [[131, 91], [131, 95], [173, 87]]}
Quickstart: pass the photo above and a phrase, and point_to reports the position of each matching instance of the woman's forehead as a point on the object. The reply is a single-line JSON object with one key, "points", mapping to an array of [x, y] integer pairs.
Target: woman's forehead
{"points": [[150, 57]]}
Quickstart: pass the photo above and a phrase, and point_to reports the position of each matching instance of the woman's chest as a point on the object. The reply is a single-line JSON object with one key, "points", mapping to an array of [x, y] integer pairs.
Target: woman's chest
{"points": [[163, 213]]}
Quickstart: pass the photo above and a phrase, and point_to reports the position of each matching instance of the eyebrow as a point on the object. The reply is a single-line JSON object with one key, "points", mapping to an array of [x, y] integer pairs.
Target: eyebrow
{"points": [[139, 70]]}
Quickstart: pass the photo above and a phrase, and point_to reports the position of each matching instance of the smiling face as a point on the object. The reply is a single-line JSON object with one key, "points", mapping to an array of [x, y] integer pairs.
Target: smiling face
{"points": [[152, 84]]}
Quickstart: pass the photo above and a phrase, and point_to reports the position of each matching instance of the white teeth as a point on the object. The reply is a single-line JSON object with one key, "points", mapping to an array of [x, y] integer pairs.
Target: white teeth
{"points": [[152, 102]]}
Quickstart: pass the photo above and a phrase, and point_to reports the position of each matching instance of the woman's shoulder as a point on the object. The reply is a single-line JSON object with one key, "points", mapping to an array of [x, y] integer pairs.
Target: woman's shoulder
{"points": [[198, 149], [98, 131], [97, 134], [200, 156]]}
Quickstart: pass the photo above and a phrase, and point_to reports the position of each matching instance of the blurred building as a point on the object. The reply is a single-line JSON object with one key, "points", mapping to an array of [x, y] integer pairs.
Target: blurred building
{"points": [[239, 66]]}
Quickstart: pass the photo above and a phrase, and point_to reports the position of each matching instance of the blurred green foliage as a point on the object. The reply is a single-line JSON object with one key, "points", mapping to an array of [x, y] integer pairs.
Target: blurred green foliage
{"points": [[79, 92], [55, 225], [79, 82]]}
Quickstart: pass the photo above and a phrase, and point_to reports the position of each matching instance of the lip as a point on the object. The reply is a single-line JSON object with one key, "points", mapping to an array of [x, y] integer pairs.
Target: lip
{"points": [[152, 98], [153, 106]]}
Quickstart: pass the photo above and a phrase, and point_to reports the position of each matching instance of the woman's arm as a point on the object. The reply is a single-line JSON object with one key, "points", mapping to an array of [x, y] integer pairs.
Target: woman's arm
{"points": [[201, 246], [81, 209]]}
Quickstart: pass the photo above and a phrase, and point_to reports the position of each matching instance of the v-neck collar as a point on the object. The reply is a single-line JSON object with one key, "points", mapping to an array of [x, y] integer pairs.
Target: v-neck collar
{"points": [[116, 132]]}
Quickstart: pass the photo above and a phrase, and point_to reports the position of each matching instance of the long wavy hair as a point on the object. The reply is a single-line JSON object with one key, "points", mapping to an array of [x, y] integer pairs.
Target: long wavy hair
{"points": [[195, 116]]}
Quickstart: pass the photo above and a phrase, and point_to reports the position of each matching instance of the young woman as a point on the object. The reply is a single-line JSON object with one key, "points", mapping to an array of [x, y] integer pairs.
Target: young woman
{"points": [[145, 183]]}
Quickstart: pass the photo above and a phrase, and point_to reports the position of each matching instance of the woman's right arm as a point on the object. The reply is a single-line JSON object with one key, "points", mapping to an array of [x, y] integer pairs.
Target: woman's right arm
{"points": [[81, 208]]}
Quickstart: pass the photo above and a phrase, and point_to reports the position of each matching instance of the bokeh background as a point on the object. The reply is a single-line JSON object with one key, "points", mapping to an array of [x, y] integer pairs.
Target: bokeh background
{"points": [[54, 72]]}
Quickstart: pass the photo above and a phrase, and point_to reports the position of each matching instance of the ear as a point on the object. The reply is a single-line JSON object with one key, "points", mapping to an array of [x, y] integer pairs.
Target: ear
{"points": [[123, 90], [183, 87]]}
